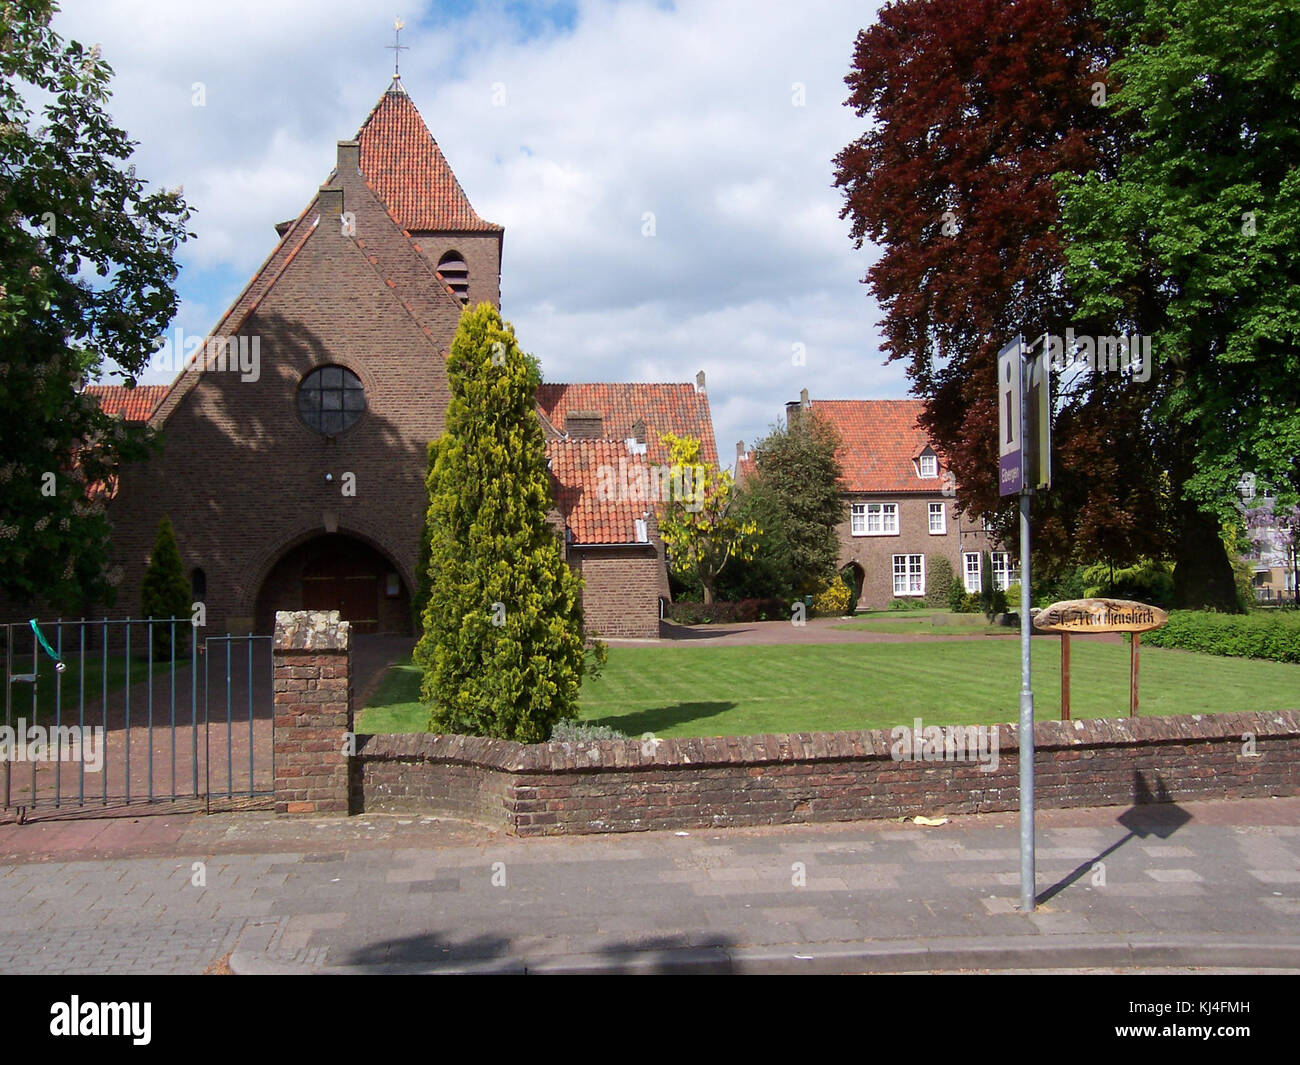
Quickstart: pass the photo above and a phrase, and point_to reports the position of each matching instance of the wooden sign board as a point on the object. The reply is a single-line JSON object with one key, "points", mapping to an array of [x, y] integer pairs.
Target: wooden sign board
{"points": [[1100, 615]]}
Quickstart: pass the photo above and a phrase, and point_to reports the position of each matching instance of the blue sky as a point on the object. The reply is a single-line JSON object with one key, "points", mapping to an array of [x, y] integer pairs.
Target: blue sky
{"points": [[719, 117]]}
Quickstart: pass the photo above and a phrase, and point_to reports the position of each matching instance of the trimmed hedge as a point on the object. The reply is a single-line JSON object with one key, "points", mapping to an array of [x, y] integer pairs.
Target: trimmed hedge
{"points": [[743, 611], [1274, 636]]}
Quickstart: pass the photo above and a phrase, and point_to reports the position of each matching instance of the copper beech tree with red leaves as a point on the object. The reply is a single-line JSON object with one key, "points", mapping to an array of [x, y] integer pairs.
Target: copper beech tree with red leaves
{"points": [[974, 107]]}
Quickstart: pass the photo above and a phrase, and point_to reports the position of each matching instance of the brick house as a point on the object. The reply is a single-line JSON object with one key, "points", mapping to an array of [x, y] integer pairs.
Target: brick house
{"points": [[604, 448], [901, 504], [299, 484]]}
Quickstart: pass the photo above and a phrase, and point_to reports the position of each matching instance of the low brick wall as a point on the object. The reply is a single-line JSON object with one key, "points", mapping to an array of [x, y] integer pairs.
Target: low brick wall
{"points": [[628, 786]]}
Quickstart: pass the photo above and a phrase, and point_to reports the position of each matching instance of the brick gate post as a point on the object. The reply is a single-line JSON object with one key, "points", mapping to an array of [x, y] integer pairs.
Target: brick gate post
{"points": [[313, 711]]}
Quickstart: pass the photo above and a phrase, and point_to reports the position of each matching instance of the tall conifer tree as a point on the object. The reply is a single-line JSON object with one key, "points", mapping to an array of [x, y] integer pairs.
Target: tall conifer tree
{"points": [[502, 650]]}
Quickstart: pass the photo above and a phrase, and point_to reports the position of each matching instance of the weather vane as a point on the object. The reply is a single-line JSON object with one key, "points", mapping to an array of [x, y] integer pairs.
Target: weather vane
{"points": [[397, 47]]}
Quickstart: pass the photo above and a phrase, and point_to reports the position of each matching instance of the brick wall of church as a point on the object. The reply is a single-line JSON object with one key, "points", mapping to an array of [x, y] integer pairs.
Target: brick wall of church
{"points": [[243, 479], [482, 253], [621, 595]]}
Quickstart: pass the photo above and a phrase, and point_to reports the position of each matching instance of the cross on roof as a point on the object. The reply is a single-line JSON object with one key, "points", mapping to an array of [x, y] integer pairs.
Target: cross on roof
{"points": [[397, 47]]}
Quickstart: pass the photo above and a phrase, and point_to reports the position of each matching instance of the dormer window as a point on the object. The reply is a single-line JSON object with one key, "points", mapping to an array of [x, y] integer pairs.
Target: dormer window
{"points": [[929, 464], [455, 271]]}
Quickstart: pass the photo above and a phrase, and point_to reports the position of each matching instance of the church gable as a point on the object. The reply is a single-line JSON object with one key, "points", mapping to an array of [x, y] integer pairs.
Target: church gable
{"points": [[345, 265]]}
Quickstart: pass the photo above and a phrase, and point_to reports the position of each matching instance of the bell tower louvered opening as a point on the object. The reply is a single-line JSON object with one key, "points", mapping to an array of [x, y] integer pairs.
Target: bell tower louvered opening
{"points": [[455, 272]]}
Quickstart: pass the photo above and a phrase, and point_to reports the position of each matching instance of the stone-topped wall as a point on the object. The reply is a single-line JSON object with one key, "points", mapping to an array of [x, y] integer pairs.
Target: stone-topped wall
{"points": [[311, 660], [628, 785]]}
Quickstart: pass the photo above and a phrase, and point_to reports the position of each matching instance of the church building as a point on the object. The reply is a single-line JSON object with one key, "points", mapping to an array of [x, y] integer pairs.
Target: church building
{"points": [[294, 446]]}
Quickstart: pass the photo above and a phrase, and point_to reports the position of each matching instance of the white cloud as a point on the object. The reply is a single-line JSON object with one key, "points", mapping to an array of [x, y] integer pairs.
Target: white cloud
{"points": [[686, 112]]}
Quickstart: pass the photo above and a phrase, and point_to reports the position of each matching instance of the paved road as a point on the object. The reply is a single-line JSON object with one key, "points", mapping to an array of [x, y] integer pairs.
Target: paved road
{"points": [[1207, 885]]}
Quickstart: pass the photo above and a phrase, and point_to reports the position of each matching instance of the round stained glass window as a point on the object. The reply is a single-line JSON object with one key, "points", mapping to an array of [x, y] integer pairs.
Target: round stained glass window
{"points": [[330, 400]]}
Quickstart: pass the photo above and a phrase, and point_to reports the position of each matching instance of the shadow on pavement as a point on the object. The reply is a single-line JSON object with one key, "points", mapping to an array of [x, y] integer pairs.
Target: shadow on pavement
{"points": [[670, 630], [1153, 814], [427, 947], [664, 954]]}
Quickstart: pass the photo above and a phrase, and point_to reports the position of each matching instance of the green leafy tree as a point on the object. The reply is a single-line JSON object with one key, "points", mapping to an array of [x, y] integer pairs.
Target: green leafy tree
{"points": [[86, 274], [502, 648], [1192, 242], [701, 526], [165, 593], [796, 467], [766, 572], [972, 108]]}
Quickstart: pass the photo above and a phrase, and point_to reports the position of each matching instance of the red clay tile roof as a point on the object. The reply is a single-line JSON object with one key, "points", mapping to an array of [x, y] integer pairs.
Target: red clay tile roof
{"points": [[589, 483], [745, 468], [665, 408], [879, 439], [132, 404], [403, 163]]}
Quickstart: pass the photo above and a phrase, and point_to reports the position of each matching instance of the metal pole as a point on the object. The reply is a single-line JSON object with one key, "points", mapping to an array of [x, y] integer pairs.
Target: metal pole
{"points": [[1136, 642], [1027, 887], [1028, 890], [1065, 676]]}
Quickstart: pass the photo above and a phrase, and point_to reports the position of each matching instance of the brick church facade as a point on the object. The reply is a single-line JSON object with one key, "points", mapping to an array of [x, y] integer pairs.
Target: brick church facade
{"points": [[301, 485]]}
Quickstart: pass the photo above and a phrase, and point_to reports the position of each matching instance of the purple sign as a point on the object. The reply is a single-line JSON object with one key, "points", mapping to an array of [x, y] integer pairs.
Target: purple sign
{"points": [[1011, 466], [1010, 475]]}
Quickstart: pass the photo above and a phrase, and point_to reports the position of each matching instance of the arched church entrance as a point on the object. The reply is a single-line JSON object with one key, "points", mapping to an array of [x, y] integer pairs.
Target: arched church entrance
{"points": [[335, 571]]}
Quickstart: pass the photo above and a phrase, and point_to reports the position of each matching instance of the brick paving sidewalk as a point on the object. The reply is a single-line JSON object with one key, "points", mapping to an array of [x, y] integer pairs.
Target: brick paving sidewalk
{"points": [[1202, 884]]}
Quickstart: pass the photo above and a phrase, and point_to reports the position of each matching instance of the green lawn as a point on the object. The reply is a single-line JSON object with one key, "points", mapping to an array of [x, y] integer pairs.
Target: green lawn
{"points": [[715, 691]]}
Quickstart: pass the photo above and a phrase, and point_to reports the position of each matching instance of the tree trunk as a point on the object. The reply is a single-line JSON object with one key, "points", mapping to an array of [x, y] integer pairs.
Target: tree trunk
{"points": [[708, 592], [1203, 576]]}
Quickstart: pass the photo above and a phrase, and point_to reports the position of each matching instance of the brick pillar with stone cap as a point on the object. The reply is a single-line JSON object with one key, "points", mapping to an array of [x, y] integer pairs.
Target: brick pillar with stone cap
{"points": [[313, 711]]}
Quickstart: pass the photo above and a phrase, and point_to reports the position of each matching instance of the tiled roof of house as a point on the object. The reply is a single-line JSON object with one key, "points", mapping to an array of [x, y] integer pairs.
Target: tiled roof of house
{"points": [[133, 404], [403, 163], [745, 467], [600, 489], [681, 409], [879, 443]]}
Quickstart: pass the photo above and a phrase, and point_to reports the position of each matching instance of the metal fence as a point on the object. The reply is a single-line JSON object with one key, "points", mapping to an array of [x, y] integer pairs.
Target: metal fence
{"points": [[125, 714]]}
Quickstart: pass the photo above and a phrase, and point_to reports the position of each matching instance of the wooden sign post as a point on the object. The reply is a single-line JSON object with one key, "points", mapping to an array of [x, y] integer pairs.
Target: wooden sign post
{"points": [[1100, 615]]}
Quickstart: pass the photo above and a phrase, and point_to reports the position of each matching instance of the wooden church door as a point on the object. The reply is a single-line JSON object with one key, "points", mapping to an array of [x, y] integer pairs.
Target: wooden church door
{"points": [[337, 578]]}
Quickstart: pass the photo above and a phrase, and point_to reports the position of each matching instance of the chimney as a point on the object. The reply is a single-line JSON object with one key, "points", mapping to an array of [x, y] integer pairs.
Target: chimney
{"points": [[699, 381], [331, 206], [803, 399], [740, 450], [792, 413], [638, 430], [584, 425], [349, 159]]}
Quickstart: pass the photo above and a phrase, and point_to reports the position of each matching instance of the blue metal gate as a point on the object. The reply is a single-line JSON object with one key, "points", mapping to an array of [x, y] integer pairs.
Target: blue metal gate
{"points": [[133, 714]]}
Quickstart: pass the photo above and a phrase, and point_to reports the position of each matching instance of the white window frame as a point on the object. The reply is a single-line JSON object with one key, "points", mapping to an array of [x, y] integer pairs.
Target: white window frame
{"points": [[1002, 571], [879, 519], [911, 575], [858, 519], [966, 574], [873, 519], [942, 513], [928, 460]]}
